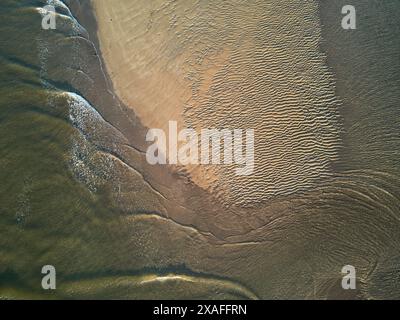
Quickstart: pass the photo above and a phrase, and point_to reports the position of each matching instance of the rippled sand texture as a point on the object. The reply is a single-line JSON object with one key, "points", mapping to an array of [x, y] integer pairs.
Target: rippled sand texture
{"points": [[367, 67], [237, 64], [77, 192]]}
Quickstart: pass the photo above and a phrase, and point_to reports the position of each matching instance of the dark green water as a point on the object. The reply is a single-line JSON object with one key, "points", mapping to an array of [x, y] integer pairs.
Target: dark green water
{"points": [[46, 213]]}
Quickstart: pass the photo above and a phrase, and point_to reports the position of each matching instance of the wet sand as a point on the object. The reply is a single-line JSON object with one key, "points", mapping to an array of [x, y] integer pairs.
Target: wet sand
{"points": [[221, 65], [294, 241], [78, 193]]}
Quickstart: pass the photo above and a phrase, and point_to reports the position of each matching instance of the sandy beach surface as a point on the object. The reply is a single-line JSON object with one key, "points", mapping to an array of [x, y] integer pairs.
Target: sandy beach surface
{"points": [[77, 192], [221, 65]]}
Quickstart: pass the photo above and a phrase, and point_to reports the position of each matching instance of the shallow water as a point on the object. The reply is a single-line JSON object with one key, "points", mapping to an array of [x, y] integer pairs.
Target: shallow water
{"points": [[76, 192]]}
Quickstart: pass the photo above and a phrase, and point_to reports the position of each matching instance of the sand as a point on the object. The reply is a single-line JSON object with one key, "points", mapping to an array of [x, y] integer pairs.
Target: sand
{"points": [[120, 242], [142, 80], [230, 66]]}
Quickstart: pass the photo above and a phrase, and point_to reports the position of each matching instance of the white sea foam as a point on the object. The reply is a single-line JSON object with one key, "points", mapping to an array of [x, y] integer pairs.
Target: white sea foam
{"points": [[89, 166], [82, 115], [77, 28]]}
